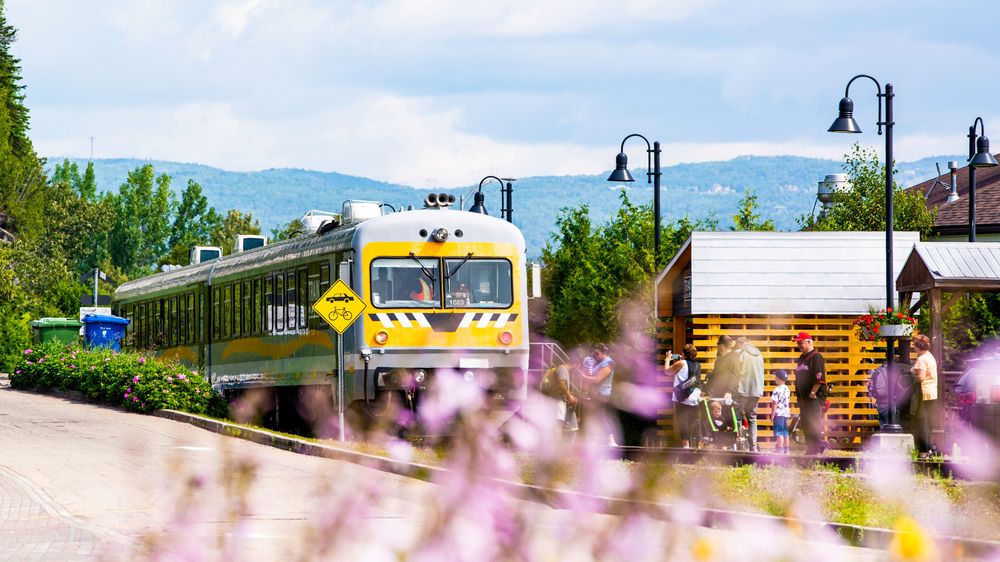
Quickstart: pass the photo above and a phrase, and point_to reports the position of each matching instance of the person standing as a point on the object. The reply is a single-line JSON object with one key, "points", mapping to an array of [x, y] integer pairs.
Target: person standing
{"points": [[810, 382], [687, 376], [925, 371], [600, 381], [781, 411], [750, 387], [566, 400], [724, 377]]}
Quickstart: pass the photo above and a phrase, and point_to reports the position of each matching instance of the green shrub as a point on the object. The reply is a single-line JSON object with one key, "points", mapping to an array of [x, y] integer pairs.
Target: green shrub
{"points": [[129, 380]]}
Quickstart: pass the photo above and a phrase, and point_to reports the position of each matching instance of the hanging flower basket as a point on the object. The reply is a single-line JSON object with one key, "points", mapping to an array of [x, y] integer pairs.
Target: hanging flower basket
{"points": [[896, 330], [885, 323]]}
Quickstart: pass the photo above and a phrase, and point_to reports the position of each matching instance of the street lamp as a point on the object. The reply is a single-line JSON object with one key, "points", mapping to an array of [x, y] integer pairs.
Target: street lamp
{"points": [[652, 175], [979, 157], [479, 200], [845, 123]]}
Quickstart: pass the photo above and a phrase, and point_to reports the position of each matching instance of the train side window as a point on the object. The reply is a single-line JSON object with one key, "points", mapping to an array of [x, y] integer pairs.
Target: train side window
{"points": [[303, 293], [227, 312], [237, 310], [315, 323], [216, 313], [269, 303], [255, 306], [290, 300], [169, 323], [279, 302], [247, 309], [175, 321]]}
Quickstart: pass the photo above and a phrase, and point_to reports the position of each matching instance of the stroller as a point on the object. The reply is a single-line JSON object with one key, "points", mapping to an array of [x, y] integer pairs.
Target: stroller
{"points": [[720, 426]]}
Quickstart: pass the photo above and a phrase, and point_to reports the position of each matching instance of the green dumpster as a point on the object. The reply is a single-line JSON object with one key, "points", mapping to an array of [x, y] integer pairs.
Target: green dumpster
{"points": [[61, 330]]}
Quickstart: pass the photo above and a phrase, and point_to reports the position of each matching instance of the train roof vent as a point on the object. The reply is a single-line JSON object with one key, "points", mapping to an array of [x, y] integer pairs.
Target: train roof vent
{"points": [[205, 253], [312, 220], [246, 242], [356, 210]]}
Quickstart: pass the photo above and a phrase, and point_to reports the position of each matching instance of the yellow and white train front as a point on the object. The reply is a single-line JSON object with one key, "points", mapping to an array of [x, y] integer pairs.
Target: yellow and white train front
{"points": [[446, 290]]}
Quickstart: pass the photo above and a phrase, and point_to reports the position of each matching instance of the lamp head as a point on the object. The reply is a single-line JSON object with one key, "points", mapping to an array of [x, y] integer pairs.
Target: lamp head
{"points": [[478, 204], [845, 123], [983, 158], [621, 169]]}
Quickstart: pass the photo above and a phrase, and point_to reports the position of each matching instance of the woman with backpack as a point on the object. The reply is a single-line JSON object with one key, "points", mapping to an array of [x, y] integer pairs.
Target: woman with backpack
{"points": [[687, 378]]}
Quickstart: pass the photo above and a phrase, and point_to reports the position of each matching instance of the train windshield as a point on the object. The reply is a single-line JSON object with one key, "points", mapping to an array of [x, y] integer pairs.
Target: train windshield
{"points": [[478, 283], [406, 283]]}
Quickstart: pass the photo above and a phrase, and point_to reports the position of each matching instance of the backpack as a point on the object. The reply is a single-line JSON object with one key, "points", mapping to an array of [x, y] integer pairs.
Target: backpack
{"points": [[549, 385]]}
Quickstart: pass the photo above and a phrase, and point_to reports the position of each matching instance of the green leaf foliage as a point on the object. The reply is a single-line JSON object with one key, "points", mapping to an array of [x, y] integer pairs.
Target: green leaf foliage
{"points": [[127, 380], [862, 207], [139, 236], [598, 278], [747, 217]]}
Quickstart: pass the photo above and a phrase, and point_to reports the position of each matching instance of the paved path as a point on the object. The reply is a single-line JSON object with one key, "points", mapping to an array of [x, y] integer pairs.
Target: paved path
{"points": [[83, 482]]}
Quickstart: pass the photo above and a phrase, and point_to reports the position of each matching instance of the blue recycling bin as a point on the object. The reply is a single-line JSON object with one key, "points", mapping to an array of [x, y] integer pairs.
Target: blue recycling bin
{"points": [[102, 330]]}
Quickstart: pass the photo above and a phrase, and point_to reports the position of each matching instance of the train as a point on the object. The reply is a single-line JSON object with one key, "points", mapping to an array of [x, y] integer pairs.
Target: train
{"points": [[443, 289]]}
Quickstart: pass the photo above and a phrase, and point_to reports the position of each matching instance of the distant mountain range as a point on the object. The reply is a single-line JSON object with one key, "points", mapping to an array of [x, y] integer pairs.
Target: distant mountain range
{"points": [[785, 185]]}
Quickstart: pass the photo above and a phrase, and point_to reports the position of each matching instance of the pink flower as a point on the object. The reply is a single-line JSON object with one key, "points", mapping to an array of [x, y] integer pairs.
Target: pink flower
{"points": [[106, 359], [135, 378], [142, 360], [126, 395], [91, 367], [182, 377], [72, 366], [17, 372], [29, 363], [170, 379], [134, 399], [42, 360], [27, 352]]}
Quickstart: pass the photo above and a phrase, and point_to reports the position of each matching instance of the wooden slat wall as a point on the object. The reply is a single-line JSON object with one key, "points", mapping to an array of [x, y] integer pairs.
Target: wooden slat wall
{"points": [[851, 417]]}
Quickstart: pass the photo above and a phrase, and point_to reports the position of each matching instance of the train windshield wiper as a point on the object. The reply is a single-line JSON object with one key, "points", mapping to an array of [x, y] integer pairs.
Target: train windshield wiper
{"points": [[459, 266], [422, 268]]}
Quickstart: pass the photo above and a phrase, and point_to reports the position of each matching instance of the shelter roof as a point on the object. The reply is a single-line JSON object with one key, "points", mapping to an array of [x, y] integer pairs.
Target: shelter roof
{"points": [[778, 273], [970, 266]]}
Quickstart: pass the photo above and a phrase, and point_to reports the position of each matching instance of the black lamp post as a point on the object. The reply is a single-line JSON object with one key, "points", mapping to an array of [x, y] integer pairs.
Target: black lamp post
{"points": [[845, 123], [979, 157], [652, 175], [479, 199]]}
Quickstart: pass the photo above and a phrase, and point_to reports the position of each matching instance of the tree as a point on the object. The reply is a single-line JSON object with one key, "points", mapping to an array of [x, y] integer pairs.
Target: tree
{"points": [[224, 235], [139, 235], [290, 230], [862, 207], [194, 223], [747, 218], [596, 276]]}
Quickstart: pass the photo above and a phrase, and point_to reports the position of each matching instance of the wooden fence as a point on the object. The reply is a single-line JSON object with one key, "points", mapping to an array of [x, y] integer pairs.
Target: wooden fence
{"points": [[852, 416]]}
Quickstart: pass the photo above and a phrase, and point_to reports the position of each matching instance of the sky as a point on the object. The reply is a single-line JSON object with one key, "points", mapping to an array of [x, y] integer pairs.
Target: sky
{"points": [[439, 93]]}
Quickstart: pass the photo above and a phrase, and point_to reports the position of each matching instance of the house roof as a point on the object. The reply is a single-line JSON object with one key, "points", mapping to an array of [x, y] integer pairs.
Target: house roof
{"points": [[951, 265], [781, 272], [953, 218]]}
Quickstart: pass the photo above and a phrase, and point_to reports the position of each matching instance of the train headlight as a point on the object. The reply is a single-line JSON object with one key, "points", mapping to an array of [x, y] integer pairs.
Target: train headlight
{"points": [[440, 234], [468, 376], [505, 338], [381, 337], [420, 376]]}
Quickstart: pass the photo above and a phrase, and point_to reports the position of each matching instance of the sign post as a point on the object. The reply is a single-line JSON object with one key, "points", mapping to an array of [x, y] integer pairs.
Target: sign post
{"points": [[340, 307]]}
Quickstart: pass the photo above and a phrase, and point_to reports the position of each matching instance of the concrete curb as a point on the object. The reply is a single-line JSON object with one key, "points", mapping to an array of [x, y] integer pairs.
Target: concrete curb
{"points": [[869, 537]]}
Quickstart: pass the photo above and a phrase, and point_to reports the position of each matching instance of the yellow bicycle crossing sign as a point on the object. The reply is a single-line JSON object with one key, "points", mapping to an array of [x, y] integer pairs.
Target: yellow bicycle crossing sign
{"points": [[339, 306]]}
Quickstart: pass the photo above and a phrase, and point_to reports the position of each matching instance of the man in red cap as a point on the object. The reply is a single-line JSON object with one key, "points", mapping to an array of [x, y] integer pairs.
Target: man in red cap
{"points": [[810, 387]]}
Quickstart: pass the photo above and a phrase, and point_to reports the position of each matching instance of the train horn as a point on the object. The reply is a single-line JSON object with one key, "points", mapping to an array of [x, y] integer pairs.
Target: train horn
{"points": [[431, 200]]}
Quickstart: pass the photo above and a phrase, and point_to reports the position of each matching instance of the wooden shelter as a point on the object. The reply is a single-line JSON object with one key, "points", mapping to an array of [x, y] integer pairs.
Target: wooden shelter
{"points": [[768, 286], [937, 270]]}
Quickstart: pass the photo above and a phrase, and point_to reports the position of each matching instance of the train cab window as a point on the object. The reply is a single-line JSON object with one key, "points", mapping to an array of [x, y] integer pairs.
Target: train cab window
{"points": [[237, 310], [246, 308], [191, 319], [406, 283], [169, 323], [478, 283], [268, 304]]}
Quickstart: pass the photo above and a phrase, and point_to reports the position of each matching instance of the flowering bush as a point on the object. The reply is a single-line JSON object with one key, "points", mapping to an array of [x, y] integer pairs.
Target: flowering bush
{"points": [[121, 379], [868, 325]]}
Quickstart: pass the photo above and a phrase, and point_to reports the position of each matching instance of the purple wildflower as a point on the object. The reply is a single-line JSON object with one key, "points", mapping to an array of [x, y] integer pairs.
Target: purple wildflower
{"points": [[27, 352], [91, 367], [17, 372], [135, 378], [170, 379], [142, 360], [29, 362], [42, 360], [181, 376], [72, 366], [134, 399], [126, 395]]}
